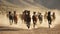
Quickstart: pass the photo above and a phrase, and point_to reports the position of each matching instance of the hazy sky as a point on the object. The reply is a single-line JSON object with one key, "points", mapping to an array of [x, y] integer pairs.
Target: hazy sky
{"points": [[46, 3]]}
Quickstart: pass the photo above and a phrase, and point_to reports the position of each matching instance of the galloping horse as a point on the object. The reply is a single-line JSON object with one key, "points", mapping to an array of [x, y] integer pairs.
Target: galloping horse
{"points": [[53, 16], [49, 18], [45, 16], [34, 18], [40, 17], [15, 17], [21, 17], [10, 16]]}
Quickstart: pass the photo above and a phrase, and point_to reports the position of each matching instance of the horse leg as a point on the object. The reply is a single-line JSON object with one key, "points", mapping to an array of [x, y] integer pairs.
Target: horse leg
{"points": [[10, 22], [28, 25], [33, 24], [22, 21], [40, 21], [15, 21], [49, 23]]}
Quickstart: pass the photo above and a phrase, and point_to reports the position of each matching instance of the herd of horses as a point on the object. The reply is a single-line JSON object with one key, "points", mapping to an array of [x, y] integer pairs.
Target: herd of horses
{"points": [[26, 17]]}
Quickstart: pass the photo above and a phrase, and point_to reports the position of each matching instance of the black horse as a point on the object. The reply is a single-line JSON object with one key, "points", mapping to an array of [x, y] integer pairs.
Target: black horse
{"points": [[28, 19], [40, 17], [10, 18], [49, 18]]}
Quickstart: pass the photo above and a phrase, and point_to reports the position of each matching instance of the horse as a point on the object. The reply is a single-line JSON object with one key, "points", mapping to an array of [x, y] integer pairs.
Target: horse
{"points": [[10, 16], [40, 17], [53, 16], [22, 17], [34, 18], [49, 18], [27, 18], [45, 16], [15, 17]]}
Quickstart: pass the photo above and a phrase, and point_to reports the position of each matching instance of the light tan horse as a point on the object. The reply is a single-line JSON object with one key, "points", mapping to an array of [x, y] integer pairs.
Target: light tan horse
{"points": [[21, 17], [45, 16]]}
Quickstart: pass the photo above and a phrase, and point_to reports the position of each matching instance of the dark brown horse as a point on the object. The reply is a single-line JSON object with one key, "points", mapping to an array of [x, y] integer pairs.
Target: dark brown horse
{"points": [[15, 17], [34, 18]]}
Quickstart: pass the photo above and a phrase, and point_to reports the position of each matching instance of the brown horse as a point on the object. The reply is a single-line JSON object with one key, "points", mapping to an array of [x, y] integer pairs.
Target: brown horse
{"points": [[34, 18], [21, 17], [15, 17], [53, 16]]}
